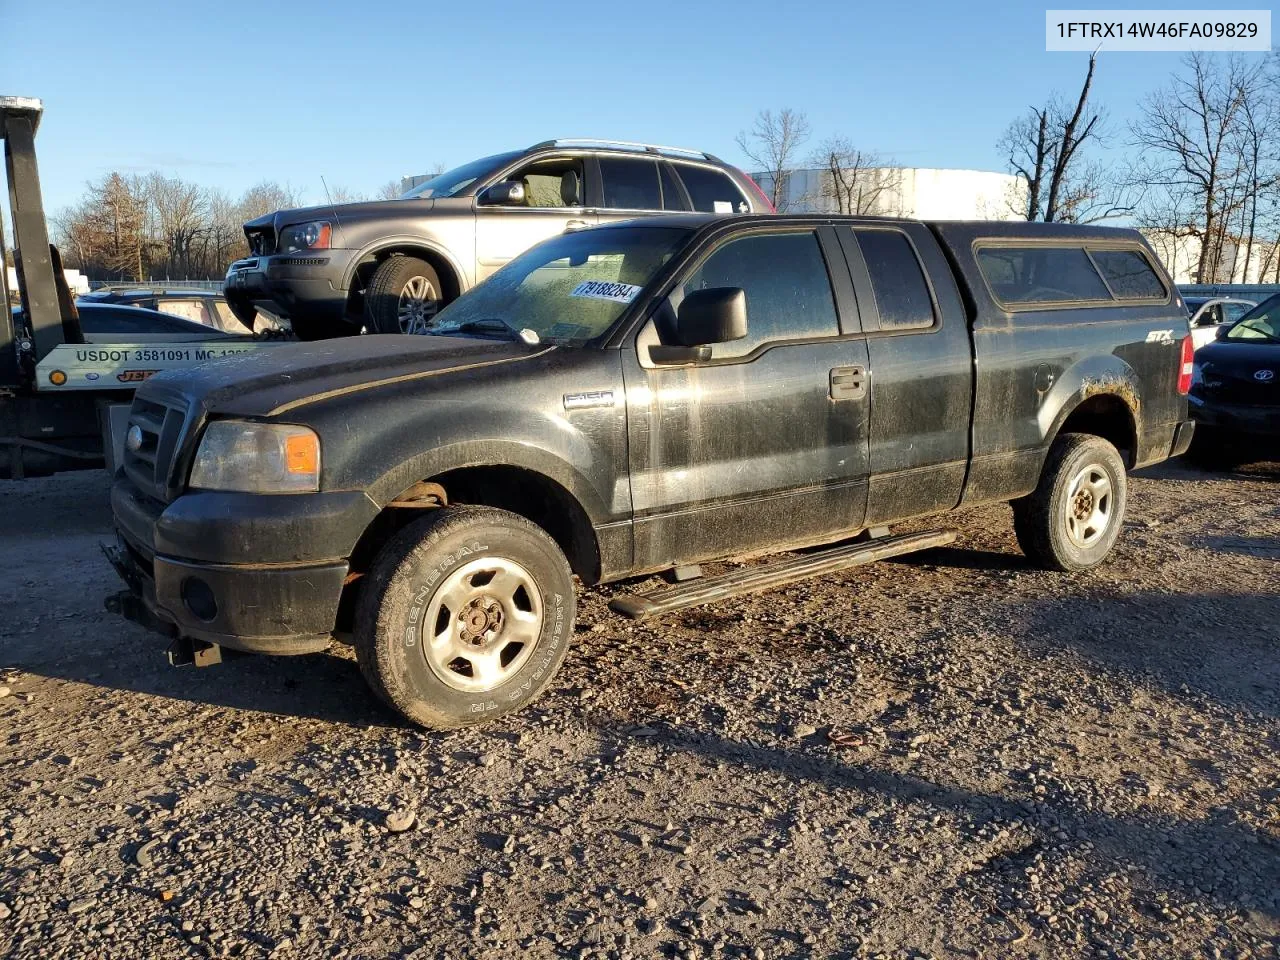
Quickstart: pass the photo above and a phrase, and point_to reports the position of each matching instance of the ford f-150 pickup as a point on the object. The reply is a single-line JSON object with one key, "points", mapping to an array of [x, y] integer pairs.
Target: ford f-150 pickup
{"points": [[641, 397]]}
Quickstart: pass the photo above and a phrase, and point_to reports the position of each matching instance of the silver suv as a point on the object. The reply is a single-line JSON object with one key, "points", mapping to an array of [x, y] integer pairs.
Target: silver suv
{"points": [[388, 266]]}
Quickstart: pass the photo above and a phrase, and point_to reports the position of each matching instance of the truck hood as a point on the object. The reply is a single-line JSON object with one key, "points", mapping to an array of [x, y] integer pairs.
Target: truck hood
{"points": [[273, 382]]}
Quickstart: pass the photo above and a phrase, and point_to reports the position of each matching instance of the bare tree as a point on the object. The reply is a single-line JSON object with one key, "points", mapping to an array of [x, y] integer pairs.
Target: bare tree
{"points": [[1047, 146], [267, 197], [181, 215], [341, 194], [1195, 142], [390, 190], [855, 180], [772, 144]]}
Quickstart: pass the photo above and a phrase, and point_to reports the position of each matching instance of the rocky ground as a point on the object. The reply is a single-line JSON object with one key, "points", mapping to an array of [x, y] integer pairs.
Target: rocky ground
{"points": [[949, 756]]}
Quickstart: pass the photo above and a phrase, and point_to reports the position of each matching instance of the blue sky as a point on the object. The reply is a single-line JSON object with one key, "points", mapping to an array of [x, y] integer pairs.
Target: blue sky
{"points": [[232, 93]]}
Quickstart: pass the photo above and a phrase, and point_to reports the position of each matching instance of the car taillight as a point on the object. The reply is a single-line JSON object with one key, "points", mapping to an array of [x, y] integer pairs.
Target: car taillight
{"points": [[759, 193], [1186, 364]]}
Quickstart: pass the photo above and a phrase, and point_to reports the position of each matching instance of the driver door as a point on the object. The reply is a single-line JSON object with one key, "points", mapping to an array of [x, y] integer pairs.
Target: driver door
{"points": [[765, 444], [554, 200]]}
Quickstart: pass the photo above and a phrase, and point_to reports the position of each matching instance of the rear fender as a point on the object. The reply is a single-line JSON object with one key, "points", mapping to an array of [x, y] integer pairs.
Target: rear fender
{"points": [[1095, 376]]}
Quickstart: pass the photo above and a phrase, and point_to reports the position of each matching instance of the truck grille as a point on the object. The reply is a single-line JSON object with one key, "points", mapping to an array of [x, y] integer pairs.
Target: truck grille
{"points": [[262, 242], [149, 463]]}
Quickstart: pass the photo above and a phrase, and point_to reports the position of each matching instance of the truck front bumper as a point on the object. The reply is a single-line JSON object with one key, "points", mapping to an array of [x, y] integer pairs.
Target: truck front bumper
{"points": [[285, 603], [289, 285]]}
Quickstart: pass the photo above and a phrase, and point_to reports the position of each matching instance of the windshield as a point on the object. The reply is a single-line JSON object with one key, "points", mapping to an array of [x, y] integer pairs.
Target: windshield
{"points": [[571, 288], [453, 182], [1260, 323]]}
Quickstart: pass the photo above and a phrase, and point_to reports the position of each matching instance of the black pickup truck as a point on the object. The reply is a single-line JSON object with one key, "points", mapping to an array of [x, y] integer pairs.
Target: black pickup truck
{"points": [[643, 397]]}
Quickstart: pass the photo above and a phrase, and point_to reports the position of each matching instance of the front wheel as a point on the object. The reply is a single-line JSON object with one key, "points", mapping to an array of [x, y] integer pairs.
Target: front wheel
{"points": [[464, 616], [1072, 519], [403, 296]]}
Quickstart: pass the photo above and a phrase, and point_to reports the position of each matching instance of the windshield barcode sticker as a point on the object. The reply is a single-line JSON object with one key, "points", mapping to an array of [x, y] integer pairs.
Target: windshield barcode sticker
{"points": [[603, 290]]}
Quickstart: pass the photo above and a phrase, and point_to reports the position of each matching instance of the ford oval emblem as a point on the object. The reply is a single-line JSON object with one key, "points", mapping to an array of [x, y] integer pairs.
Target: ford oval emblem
{"points": [[1265, 375], [133, 439]]}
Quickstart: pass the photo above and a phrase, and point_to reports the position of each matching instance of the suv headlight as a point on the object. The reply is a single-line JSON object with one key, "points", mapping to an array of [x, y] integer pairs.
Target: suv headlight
{"points": [[257, 458], [306, 236]]}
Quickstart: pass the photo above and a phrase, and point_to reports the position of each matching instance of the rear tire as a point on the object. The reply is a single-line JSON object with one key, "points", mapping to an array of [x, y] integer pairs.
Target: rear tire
{"points": [[403, 296], [464, 616], [1073, 518]]}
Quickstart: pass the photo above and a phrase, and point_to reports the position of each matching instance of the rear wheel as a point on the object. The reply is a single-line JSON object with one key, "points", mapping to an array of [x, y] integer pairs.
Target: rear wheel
{"points": [[1072, 519], [403, 296], [465, 616]]}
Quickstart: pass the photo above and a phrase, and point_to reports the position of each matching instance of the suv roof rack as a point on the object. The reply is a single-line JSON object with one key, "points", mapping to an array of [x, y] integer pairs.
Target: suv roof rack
{"points": [[626, 144]]}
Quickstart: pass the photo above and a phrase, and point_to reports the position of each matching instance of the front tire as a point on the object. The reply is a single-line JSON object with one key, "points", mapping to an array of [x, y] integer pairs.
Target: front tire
{"points": [[1072, 519], [465, 616], [403, 296]]}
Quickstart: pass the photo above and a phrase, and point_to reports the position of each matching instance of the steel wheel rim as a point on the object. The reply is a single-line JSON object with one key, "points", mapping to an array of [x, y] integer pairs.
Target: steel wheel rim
{"points": [[1090, 499], [482, 625], [417, 306]]}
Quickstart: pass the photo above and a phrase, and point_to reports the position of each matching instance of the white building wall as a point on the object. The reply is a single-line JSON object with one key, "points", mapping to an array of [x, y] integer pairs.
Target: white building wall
{"points": [[917, 192]]}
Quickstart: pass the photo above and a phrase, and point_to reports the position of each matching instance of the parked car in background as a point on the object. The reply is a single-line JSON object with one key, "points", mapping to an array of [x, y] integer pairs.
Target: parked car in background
{"points": [[1209, 313], [388, 266], [1235, 390], [199, 306], [105, 322]]}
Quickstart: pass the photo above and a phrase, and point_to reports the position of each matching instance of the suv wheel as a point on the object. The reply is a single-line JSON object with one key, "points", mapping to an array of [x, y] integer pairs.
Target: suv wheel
{"points": [[1072, 519], [403, 296], [465, 616]]}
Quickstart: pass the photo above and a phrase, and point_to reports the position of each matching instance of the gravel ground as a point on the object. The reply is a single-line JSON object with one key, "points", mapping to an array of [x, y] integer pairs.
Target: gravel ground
{"points": [[948, 756]]}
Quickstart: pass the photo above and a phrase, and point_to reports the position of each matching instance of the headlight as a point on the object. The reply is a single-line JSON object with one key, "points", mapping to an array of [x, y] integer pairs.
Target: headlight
{"points": [[306, 236], [257, 458]]}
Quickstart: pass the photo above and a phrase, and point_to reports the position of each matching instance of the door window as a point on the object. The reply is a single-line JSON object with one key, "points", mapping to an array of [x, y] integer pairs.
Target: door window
{"points": [[897, 279], [227, 321], [551, 183], [788, 290], [630, 184], [712, 191], [192, 310], [672, 195]]}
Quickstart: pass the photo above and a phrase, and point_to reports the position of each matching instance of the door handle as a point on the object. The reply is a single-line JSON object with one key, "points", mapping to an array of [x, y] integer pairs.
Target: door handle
{"points": [[848, 383]]}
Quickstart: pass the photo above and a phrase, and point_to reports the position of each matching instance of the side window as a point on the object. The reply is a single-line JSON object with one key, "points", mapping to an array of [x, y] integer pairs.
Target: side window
{"points": [[192, 310], [228, 322], [897, 280], [788, 291], [630, 184], [551, 183], [712, 191], [1234, 311], [1041, 274], [1128, 274], [672, 195]]}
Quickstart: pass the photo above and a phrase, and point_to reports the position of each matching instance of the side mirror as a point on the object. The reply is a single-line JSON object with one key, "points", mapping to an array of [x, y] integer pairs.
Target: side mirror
{"points": [[715, 315], [706, 317], [508, 193]]}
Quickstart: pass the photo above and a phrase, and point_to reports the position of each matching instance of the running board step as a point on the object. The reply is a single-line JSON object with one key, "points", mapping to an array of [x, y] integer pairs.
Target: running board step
{"points": [[776, 574]]}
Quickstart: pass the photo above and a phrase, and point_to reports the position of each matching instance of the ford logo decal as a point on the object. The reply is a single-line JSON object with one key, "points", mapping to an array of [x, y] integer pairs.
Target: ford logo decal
{"points": [[133, 439], [1265, 375]]}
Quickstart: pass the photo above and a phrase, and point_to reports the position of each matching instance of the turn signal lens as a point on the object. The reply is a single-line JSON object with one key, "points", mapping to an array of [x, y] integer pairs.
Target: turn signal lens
{"points": [[302, 453], [1186, 366]]}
